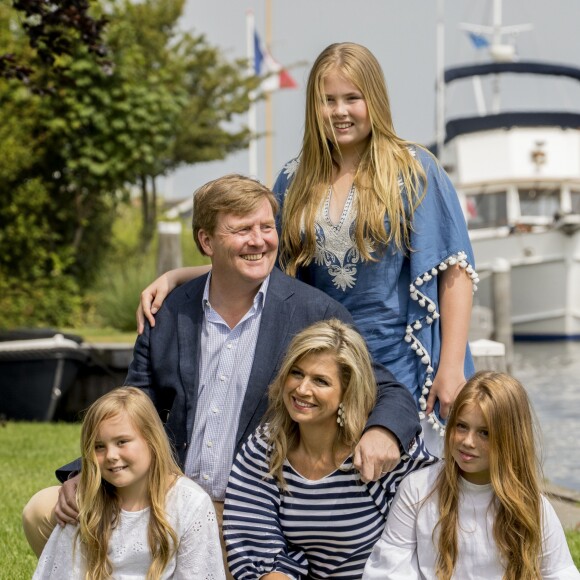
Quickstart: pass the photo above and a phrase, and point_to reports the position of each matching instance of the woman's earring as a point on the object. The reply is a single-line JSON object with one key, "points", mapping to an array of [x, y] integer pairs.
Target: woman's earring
{"points": [[340, 419]]}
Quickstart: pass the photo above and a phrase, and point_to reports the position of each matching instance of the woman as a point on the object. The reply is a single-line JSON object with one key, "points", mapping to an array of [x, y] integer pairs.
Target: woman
{"points": [[480, 514], [374, 221], [295, 506]]}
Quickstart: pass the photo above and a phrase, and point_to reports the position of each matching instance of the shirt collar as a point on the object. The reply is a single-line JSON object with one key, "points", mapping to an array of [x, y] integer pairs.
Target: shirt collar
{"points": [[259, 298]]}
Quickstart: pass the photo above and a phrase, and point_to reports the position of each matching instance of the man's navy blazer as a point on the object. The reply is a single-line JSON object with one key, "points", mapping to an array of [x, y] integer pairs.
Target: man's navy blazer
{"points": [[166, 361]]}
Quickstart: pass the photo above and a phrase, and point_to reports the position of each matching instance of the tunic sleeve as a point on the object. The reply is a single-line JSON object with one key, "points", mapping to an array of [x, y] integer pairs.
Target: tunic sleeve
{"points": [[557, 563], [394, 556], [61, 557], [199, 554], [281, 185], [254, 537], [439, 239]]}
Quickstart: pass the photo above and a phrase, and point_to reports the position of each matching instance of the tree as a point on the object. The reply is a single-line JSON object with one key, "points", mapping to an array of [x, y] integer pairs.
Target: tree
{"points": [[208, 90], [77, 130], [53, 29]]}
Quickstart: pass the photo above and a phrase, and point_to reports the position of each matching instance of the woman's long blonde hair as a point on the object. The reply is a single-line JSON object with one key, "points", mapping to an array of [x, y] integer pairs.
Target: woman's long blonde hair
{"points": [[358, 384], [514, 471], [385, 160], [98, 501]]}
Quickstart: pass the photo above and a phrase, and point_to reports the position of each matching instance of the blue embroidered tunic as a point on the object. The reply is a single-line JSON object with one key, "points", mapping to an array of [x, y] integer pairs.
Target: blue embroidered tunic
{"points": [[394, 301]]}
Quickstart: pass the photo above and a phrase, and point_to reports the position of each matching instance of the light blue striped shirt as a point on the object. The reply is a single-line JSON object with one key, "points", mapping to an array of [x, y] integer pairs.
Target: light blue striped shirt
{"points": [[227, 356]]}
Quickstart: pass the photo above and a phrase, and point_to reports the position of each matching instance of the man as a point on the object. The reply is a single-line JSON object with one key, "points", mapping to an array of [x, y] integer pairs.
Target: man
{"points": [[217, 344]]}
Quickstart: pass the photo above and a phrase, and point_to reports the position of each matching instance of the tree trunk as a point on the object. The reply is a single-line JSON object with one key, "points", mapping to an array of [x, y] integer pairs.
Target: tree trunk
{"points": [[153, 202], [148, 214], [144, 201]]}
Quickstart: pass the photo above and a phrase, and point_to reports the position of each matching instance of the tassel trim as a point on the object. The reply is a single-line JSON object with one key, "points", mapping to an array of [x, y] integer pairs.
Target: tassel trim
{"points": [[432, 315]]}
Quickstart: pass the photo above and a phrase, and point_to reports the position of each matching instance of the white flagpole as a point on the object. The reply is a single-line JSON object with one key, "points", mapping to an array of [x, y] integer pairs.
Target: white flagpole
{"points": [[252, 114], [269, 175], [440, 101]]}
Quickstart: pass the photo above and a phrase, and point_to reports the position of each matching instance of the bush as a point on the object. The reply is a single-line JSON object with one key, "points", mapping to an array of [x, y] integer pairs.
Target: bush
{"points": [[53, 302], [118, 292]]}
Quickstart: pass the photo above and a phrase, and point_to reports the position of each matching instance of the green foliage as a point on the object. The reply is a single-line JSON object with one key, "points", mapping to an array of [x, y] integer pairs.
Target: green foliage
{"points": [[29, 454], [119, 291], [71, 148], [573, 539], [129, 270]]}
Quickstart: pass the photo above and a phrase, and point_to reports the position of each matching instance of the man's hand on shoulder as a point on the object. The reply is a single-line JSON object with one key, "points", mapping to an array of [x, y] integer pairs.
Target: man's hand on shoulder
{"points": [[376, 453], [66, 509]]}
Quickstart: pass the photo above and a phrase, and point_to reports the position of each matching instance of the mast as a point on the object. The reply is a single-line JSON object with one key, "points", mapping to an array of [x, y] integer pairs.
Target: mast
{"points": [[499, 51], [440, 66], [252, 114], [269, 141]]}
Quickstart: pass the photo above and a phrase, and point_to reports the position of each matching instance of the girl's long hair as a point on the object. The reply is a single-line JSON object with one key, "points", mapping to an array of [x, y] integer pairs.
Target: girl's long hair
{"points": [[98, 501], [385, 160], [515, 477], [358, 383]]}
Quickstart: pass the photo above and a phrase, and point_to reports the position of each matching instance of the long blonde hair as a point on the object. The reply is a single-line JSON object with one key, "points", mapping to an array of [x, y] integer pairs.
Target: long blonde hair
{"points": [[386, 159], [98, 502], [515, 476], [358, 384]]}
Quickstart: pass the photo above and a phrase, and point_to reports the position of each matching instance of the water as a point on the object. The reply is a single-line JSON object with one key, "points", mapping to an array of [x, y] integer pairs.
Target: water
{"points": [[550, 371]]}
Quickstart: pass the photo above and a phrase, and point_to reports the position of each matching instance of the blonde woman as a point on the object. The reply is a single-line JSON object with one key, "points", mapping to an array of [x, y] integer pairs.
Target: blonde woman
{"points": [[479, 514], [295, 505], [373, 220], [138, 516]]}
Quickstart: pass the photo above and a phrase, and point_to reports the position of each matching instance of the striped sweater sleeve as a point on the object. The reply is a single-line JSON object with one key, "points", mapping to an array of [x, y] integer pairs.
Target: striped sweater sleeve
{"points": [[254, 538], [383, 491]]}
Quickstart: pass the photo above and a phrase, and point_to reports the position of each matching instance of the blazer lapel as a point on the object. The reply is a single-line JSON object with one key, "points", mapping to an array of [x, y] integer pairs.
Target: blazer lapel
{"points": [[270, 347], [189, 325]]}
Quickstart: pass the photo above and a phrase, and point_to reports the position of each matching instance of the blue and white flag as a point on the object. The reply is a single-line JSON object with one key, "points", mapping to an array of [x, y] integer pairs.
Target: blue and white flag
{"points": [[478, 40]]}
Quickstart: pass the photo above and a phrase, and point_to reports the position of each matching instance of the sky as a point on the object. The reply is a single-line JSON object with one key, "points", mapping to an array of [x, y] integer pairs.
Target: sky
{"points": [[402, 35]]}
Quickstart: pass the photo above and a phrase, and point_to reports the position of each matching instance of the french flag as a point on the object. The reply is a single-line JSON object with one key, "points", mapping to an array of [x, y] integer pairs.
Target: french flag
{"points": [[276, 76]]}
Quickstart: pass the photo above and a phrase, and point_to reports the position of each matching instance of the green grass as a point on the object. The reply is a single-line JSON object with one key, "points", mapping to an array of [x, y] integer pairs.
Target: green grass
{"points": [[573, 538], [29, 454], [106, 334]]}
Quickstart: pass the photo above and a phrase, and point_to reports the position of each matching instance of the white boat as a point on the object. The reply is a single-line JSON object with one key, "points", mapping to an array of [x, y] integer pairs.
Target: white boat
{"points": [[518, 174]]}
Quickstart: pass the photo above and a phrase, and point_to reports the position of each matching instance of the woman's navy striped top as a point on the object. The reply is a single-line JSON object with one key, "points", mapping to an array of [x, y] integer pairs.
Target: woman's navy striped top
{"points": [[314, 529]]}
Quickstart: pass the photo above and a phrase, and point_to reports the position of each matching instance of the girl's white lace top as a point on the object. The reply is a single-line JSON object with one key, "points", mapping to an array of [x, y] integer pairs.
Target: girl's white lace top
{"points": [[192, 516]]}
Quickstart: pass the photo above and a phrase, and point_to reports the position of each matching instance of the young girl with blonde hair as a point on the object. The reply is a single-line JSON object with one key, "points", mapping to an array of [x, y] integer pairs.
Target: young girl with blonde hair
{"points": [[480, 513], [138, 515], [373, 220]]}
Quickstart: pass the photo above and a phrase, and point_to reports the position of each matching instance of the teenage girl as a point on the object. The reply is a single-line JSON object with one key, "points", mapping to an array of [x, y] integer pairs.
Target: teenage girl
{"points": [[139, 517], [480, 513]]}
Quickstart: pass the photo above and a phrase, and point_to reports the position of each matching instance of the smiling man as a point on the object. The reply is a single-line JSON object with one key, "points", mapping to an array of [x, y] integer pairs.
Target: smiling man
{"points": [[218, 341]]}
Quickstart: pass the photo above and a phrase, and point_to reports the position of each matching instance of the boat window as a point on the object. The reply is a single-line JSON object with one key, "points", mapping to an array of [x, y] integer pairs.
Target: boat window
{"points": [[486, 210], [539, 202], [575, 195]]}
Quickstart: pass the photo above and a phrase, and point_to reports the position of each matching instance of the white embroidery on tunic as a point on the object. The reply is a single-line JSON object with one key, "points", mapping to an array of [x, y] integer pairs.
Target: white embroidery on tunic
{"points": [[335, 246], [291, 167]]}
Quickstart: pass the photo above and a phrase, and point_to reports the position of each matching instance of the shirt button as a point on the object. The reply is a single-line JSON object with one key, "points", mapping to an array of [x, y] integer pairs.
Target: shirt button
{"points": [[223, 378], [205, 476], [209, 443], [215, 410], [229, 345]]}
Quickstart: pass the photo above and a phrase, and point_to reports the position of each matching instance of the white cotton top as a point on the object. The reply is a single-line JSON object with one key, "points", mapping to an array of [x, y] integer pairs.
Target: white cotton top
{"points": [[407, 550], [191, 514]]}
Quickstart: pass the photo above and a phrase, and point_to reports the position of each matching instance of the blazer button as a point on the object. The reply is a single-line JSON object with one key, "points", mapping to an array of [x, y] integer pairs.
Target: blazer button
{"points": [[185, 446]]}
